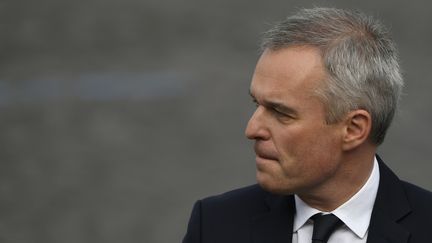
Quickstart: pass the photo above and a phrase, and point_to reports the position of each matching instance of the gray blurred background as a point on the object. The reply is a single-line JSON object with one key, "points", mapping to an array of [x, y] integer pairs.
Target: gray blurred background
{"points": [[117, 115]]}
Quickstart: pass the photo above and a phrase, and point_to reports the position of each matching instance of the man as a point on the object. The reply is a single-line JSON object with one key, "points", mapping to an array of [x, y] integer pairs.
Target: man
{"points": [[326, 88]]}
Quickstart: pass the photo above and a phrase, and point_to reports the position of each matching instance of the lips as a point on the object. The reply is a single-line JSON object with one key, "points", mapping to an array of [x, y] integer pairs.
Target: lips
{"points": [[265, 154]]}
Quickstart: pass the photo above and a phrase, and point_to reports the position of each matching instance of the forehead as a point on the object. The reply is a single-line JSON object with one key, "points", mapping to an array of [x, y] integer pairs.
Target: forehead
{"points": [[297, 68]]}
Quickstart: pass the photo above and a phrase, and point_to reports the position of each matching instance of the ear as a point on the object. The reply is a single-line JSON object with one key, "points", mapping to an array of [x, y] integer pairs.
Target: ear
{"points": [[358, 124]]}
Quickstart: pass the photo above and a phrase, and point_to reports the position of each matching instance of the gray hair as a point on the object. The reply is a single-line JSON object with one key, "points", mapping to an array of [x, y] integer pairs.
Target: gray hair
{"points": [[360, 57]]}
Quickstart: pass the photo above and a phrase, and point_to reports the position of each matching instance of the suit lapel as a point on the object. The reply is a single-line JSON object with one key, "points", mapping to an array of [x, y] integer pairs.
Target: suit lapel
{"points": [[391, 205], [276, 225], [383, 230]]}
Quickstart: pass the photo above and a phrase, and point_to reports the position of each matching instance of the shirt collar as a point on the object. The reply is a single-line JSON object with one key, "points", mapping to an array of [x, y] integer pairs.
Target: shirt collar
{"points": [[355, 213]]}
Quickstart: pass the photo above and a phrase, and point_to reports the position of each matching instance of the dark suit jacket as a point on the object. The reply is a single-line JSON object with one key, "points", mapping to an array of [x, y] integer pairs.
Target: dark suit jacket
{"points": [[401, 214]]}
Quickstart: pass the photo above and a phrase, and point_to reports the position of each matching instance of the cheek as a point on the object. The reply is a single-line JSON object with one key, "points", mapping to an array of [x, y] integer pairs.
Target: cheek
{"points": [[321, 155], [304, 152], [293, 142]]}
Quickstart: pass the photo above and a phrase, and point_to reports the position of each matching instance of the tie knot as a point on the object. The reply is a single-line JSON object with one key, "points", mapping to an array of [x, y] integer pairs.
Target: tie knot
{"points": [[324, 225]]}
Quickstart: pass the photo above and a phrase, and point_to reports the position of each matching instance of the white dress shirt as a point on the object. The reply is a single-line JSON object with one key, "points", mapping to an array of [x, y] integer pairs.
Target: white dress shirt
{"points": [[355, 213]]}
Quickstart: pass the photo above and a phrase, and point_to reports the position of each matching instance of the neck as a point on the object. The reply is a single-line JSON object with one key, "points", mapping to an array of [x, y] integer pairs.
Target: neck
{"points": [[355, 169]]}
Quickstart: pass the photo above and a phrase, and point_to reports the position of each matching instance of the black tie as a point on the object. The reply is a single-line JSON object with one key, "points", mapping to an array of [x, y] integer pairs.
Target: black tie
{"points": [[324, 225]]}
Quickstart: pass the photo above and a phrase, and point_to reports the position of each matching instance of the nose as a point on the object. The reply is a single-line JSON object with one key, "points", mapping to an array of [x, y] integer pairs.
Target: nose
{"points": [[256, 128]]}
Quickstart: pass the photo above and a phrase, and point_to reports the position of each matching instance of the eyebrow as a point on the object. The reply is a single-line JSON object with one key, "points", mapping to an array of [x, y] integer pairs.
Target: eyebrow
{"points": [[276, 105]]}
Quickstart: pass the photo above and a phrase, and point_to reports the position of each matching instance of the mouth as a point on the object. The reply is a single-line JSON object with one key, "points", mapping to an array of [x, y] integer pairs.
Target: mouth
{"points": [[263, 162], [263, 155]]}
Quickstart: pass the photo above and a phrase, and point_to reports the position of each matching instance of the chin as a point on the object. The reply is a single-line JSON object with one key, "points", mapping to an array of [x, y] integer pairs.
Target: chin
{"points": [[271, 185]]}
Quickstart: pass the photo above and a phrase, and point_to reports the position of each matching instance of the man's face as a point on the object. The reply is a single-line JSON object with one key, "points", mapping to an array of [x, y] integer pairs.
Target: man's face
{"points": [[296, 151]]}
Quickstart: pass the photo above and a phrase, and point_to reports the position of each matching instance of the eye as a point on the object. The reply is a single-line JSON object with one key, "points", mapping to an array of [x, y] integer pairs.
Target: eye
{"points": [[281, 115], [278, 113]]}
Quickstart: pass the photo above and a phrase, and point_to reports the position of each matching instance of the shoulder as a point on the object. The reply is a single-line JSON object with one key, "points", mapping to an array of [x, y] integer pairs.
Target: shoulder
{"points": [[233, 206], [418, 197], [226, 217], [416, 222], [244, 193], [395, 191], [242, 198]]}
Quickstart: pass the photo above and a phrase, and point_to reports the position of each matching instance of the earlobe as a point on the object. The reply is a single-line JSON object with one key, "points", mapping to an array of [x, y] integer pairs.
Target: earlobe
{"points": [[358, 124]]}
